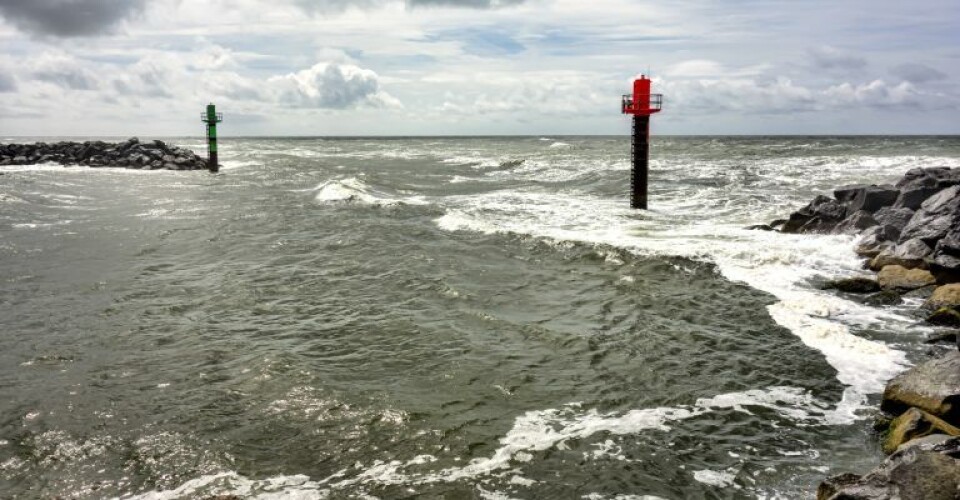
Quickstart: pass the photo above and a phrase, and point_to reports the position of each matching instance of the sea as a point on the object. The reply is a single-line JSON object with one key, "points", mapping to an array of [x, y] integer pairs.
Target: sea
{"points": [[455, 318]]}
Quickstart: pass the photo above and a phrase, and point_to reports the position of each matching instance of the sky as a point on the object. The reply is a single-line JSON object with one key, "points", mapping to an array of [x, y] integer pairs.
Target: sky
{"points": [[477, 67]]}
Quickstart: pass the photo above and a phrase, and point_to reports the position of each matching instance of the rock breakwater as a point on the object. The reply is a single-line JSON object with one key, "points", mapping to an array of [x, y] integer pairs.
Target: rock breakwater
{"points": [[152, 155], [910, 235]]}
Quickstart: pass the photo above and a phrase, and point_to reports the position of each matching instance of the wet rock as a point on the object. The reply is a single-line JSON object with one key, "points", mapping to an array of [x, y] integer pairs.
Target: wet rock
{"points": [[892, 216], [872, 198], [910, 254], [856, 223], [945, 296], [914, 424], [884, 298], [937, 338], [846, 194], [933, 386], [903, 279], [935, 218], [945, 268], [945, 316], [926, 470], [759, 227], [130, 154], [876, 239], [820, 216], [856, 284]]}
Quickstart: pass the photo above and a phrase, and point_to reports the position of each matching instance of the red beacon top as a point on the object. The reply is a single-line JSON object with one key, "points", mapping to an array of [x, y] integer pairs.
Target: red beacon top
{"points": [[642, 102]]}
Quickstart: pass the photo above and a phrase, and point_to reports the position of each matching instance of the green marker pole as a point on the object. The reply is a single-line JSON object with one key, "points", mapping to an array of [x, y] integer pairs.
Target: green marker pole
{"points": [[211, 118]]}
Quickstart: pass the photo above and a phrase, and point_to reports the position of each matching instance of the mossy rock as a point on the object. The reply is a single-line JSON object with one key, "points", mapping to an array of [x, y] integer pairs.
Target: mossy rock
{"points": [[914, 424], [944, 296]]}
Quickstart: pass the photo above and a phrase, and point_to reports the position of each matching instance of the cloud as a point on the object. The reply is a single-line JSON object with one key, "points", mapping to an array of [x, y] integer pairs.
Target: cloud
{"points": [[64, 71], [330, 86], [336, 6], [918, 73], [783, 96], [695, 68], [7, 82], [826, 57], [68, 18], [472, 4]]}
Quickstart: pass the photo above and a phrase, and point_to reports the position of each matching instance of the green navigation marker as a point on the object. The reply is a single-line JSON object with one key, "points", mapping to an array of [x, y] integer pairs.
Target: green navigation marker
{"points": [[211, 117]]}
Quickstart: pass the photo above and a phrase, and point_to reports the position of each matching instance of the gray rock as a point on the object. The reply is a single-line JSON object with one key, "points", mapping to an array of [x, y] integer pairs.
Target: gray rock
{"points": [[924, 470], [855, 223], [876, 239], [936, 217], [912, 252], [168, 159], [846, 194], [892, 216], [872, 198], [820, 215], [927, 227], [933, 386]]}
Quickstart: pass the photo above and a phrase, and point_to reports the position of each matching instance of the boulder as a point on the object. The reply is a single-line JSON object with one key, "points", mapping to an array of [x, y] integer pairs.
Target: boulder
{"points": [[945, 296], [910, 254], [759, 227], [945, 316], [883, 298], [872, 198], [876, 239], [855, 223], [858, 284], [820, 215], [902, 279], [935, 218], [846, 194], [936, 338], [914, 424], [892, 216], [933, 386], [945, 268], [925, 470]]}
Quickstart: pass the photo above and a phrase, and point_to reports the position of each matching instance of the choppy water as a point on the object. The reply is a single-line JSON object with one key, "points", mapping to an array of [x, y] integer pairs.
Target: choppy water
{"points": [[441, 318]]}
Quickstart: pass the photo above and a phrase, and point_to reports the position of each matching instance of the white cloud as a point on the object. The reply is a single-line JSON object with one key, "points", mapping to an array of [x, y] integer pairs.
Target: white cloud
{"points": [[332, 86], [827, 57]]}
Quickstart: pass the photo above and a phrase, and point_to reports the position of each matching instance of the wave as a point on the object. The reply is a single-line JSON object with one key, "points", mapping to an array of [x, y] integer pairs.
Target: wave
{"points": [[775, 263], [534, 431], [354, 190]]}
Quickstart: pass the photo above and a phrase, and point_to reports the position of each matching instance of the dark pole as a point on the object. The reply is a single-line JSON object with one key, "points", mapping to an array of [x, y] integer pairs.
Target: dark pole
{"points": [[211, 120], [641, 160]]}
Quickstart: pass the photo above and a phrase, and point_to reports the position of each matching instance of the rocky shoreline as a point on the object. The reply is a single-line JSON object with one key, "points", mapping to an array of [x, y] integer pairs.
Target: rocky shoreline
{"points": [[153, 155], [909, 236]]}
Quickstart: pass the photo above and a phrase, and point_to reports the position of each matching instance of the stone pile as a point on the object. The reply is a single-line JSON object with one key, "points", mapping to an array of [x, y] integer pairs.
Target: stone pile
{"points": [[909, 235], [132, 153], [921, 439]]}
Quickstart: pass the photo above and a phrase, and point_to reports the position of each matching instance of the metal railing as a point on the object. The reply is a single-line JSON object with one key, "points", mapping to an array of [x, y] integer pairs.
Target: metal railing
{"points": [[205, 118], [656, 102]]}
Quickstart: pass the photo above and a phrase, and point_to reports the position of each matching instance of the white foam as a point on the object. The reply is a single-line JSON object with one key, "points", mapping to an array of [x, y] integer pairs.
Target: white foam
{"points": [[719, 479], [776, 263], [534, 431], [354, 190]]}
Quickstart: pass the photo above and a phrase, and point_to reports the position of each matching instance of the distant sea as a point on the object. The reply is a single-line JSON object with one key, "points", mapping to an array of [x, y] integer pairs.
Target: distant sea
{"points": [[442, 318]]}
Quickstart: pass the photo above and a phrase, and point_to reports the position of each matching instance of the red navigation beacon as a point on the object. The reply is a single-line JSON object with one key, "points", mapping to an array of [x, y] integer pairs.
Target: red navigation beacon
{"points": [[641, 104]]}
